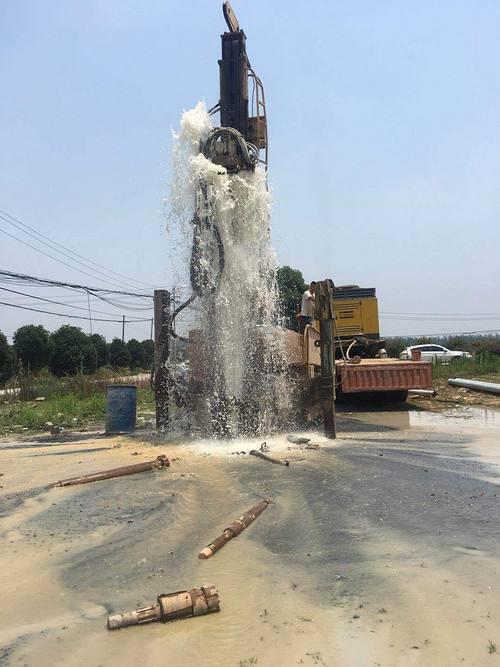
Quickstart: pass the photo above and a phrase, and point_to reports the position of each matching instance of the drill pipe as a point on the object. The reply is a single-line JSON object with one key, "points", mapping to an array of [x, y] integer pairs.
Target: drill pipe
{"points": [[171, 607], [284, 462], [159, 462], [235, 529]]}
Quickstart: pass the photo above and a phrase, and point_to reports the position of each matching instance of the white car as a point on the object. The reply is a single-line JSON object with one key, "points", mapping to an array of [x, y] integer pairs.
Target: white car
{"points": [[435, 353]]}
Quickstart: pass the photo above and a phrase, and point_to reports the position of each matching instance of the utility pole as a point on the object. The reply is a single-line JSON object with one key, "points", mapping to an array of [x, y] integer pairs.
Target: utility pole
{"points": [[323, 311], [123, 328], [90, 312], [151, 332], [162, 336]]}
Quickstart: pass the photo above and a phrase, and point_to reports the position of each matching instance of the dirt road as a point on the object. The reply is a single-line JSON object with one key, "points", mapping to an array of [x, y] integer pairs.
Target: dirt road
{"points": [[381, 549]]}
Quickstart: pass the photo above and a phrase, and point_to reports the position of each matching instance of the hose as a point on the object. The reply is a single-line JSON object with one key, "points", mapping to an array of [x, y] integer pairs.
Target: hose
{"points": [[248, 151], [174, 315], [350, 348], [203, 282]]}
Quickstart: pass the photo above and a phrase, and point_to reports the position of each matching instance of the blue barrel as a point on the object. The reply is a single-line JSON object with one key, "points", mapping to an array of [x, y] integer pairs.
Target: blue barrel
{"points": [[121, 408]]}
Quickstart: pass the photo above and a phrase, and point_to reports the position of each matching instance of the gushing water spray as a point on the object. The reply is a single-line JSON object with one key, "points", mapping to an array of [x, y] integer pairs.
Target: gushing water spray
{"points": [[237, 364]]}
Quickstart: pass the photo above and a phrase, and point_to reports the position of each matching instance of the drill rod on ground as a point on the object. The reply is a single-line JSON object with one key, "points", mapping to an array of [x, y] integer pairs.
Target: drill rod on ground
{"points": [[171, 607], [255, 452], [235, 529], [159, 462]]}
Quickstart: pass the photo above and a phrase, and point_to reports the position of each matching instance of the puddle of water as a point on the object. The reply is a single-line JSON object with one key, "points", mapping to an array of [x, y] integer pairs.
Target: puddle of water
{"points": [[399, 421], [478, 427], [468, 417]]}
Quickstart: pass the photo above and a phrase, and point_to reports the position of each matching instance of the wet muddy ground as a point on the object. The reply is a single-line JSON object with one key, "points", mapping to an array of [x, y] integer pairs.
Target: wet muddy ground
{"points": [[381, 548]]}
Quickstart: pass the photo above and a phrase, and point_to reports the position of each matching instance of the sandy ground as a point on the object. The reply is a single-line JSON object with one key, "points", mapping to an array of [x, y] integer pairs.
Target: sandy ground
{"points": [[381, 548]]}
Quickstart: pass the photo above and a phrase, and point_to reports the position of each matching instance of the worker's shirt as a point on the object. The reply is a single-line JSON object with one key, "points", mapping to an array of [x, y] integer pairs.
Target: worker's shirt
{"points": [[307, 308]]}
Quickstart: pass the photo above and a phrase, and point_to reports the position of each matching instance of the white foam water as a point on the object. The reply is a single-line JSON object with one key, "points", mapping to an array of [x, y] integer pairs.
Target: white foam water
{"points": [[240, 323]]}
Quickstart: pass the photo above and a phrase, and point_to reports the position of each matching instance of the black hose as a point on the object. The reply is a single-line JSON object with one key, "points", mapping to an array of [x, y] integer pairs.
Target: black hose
{"points": [[174, 315], [203, 281]]}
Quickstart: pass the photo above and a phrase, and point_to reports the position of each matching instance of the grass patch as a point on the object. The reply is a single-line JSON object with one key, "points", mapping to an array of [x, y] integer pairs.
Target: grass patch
{"points": [[60, 410], [68, 410], [483, 364]]}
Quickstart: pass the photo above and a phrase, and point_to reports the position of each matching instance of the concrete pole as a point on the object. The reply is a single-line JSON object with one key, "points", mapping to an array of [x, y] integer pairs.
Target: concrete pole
{"points": [[323, 311], [162, 336]]}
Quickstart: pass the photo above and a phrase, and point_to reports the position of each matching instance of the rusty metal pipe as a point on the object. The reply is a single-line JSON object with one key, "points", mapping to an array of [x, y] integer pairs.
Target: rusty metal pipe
{"points": [[281, 462], [171, 607], [235, 529], [159, 462]]}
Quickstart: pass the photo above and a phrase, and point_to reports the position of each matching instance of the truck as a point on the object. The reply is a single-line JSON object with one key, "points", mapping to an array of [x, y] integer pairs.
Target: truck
{"points": [[362, 368]]}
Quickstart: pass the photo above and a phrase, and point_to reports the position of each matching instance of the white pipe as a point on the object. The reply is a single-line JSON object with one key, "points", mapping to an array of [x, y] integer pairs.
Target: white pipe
{"points": [[423, 392], [490, 387]]}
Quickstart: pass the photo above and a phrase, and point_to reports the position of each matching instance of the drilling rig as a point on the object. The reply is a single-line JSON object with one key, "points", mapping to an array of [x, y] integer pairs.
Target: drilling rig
{"points": [[235, 146]]}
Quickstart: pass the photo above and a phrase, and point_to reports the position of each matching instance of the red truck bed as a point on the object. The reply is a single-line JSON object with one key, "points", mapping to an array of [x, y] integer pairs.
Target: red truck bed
{"points": [[384, 375]]}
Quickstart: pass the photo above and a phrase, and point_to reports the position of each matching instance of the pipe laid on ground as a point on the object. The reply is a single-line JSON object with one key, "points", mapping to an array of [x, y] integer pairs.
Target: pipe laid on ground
{"points": [[284, 462], [235, 529], [423, 392], [171, 607], [159, 462], [489, 387]]}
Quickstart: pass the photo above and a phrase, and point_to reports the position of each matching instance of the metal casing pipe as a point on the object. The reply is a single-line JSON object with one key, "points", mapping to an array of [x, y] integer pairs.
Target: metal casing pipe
{"points": [[235, 529], [423, 392], [159, 462], [478, 385], [171, 607]]}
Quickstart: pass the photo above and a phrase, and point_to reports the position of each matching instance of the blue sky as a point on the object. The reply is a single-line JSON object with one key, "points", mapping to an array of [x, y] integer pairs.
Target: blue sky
{"points": [[384, 142]]}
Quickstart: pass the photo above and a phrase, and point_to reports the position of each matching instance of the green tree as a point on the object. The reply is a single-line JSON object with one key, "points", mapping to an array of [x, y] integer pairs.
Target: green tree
{"points": [[119, 355], [101, 350], [72, 351], [149, 352], [395, 345], [33, 346], [6, 359], [137, 355], [291, 286]]}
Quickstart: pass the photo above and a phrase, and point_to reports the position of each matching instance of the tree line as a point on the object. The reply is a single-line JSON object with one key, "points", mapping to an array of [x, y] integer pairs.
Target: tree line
{"points": [[68, 351]]}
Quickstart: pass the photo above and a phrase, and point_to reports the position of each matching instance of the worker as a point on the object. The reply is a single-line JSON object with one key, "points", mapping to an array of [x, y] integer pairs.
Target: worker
{"points": [[307, 307]]}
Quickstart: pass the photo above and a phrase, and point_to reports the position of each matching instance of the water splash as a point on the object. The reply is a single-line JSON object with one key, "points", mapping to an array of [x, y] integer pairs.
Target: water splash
{"points": [[238, 365]]}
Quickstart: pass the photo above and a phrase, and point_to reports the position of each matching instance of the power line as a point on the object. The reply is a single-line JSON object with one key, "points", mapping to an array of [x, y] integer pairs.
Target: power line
{"points": [[73, 317], [12, 277], [412, 318], [58, 303], [448, 333], [69, 301], [56, 259], [389, 312], [22, 226]]}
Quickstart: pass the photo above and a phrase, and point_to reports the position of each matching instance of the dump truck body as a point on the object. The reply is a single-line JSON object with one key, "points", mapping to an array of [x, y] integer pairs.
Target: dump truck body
{"points": [[369, 375], [357, 329]]}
